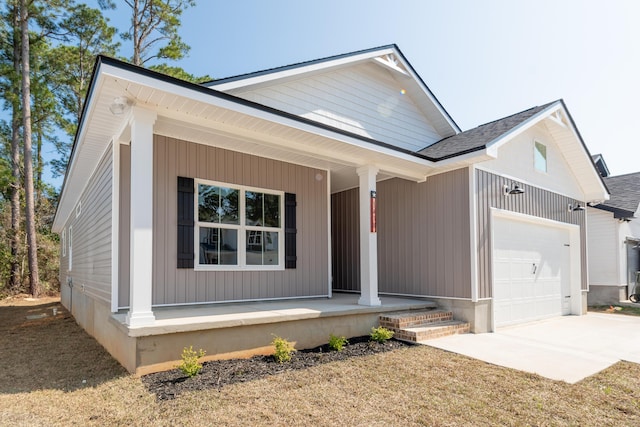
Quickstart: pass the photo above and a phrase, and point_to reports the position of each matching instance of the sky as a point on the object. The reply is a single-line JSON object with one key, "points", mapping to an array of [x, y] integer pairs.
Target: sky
{"points": [[483, 59]]}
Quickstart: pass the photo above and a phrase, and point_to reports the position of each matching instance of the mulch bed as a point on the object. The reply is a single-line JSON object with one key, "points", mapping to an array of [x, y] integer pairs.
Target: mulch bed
{"points": [[218, 373]]}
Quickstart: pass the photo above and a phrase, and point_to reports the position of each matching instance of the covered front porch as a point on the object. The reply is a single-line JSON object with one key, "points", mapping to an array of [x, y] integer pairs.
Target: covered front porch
{"points": [[246, 329]]}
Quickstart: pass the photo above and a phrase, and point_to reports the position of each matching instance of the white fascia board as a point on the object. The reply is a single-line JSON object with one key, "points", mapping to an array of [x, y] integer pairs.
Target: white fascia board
{"points": [[257, 112], [299, 70], [469, 158], [601, 193]]}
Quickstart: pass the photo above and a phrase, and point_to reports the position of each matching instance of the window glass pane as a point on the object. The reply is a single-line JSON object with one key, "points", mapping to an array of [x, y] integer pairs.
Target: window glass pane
{"points": [[262, 248], [254, 247], [254, 208], [270, 248], [540, 157], [217, 204], [228, 210], [218, 246], [208, 203], [271, 210]]}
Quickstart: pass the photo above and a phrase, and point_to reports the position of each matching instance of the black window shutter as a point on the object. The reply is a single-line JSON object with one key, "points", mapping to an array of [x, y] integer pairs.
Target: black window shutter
{"points": [[185, 222], [290, 230]]}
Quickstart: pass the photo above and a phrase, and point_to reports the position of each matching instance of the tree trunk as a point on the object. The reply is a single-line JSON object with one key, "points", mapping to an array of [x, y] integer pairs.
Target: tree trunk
{"points": [[32, 245], [15, 160], [136, 30]]}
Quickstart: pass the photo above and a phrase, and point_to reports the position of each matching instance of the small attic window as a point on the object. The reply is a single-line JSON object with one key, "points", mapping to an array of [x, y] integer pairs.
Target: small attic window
{"points": [[78, 209], [540, 156]]}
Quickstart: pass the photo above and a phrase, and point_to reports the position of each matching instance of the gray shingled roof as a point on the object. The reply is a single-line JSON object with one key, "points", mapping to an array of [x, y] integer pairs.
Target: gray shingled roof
{"points": [[625, 195], [478, 138]]}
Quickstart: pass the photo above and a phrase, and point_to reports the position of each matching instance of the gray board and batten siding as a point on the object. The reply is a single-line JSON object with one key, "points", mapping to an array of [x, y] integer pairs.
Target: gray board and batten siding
{"points": [[172, 285], [90, 223], [423, 237], [424, 233], [535, 202]]}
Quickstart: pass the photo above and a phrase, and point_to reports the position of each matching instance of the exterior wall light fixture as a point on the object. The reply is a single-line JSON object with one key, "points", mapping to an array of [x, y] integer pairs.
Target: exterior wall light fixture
{"points": [[514, 189], [119, 105], [575, 208]]}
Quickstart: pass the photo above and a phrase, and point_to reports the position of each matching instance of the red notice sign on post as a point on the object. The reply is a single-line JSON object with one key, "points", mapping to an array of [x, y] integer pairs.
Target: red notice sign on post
{"points": [[373, 212]]}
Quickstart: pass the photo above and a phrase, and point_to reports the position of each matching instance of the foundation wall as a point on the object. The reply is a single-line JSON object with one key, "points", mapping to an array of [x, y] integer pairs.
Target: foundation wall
{"points": [[161, 352], [478, 314]]}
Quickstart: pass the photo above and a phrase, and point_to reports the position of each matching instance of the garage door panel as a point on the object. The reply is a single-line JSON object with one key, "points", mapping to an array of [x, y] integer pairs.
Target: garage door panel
{"points": [[531, 264]]}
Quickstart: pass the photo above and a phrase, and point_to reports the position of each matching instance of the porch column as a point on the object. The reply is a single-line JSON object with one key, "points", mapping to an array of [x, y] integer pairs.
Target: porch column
{"points": [[368, 239], [141, 238]]}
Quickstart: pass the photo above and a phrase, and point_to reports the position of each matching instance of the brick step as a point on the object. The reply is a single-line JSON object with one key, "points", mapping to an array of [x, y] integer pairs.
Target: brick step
{"points": [[408, 319], [432, 330]]}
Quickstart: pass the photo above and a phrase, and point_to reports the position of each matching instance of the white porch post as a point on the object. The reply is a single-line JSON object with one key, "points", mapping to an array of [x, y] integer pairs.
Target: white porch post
{"points": [[368, 239], [141, 239]]}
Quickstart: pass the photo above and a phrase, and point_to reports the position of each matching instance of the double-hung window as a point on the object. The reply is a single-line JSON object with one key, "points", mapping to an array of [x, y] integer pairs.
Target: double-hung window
{"points": [[238, 227]]}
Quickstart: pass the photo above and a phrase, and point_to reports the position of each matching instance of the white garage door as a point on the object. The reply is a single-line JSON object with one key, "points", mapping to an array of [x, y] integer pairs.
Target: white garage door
{"points": [[531, 271]]}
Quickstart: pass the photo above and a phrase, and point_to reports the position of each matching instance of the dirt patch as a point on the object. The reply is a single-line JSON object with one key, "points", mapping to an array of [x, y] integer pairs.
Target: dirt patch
{"points": [[218, 373], [43, 350], [617, 309]]}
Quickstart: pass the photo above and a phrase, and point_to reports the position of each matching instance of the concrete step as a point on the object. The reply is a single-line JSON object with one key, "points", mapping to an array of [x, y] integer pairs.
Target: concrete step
{"points": [[406, 319], [443, 329]]}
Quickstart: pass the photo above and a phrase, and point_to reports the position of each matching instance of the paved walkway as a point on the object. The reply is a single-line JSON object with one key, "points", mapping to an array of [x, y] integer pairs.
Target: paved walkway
{"points": [[568, 348]]}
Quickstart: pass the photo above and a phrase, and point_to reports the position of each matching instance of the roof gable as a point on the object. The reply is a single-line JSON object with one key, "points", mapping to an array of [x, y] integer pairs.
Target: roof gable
{"points": [[480, 137], [278, 88], [557, 123]]}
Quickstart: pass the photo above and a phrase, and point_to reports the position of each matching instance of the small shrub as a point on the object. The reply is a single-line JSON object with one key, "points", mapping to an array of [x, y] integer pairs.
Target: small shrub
{"points": [[190, 365], [337, 343], [284, 349], [381, 334]]}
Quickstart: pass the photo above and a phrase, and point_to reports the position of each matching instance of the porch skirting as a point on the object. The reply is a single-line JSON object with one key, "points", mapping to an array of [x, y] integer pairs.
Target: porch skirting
{"points": [[234, 330]]}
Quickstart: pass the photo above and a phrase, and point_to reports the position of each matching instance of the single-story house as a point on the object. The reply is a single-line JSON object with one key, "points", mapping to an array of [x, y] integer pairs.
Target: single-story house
{"points": [[614, 240], [186, 207]]}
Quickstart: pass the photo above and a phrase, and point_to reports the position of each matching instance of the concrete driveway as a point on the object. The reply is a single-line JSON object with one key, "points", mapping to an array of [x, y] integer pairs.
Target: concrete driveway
{"points": [[567, 348]]}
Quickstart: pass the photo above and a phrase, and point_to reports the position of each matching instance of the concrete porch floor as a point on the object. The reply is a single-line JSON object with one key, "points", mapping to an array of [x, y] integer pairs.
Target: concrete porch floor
{"points": [[190, 318]]}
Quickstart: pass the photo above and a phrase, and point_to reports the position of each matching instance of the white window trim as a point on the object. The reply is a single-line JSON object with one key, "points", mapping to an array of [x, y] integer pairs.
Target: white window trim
{"points": [[79, 209], [546, 157], [242, 228]]}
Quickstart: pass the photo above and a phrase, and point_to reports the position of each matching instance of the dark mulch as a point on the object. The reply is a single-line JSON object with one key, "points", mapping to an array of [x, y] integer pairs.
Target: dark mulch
{"points": [[218, 373]]}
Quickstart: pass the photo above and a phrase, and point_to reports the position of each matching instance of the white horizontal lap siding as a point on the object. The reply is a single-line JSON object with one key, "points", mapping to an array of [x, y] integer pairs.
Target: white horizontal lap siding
{"points": [[601, 237], [515, 159], [364, 100], [91, 241]]}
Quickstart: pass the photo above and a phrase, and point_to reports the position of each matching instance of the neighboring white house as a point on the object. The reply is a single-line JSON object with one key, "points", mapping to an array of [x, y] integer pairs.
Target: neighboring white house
{"points": [[614, 240]]}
